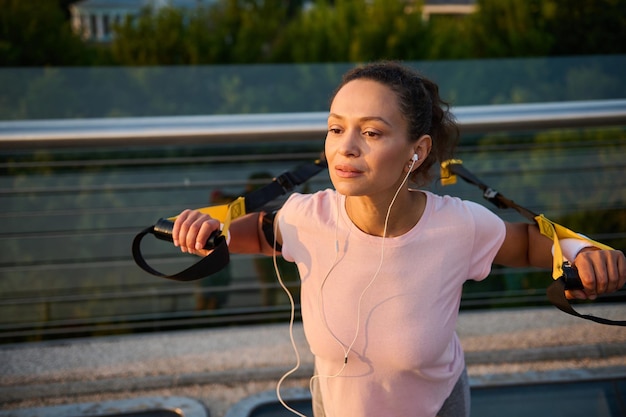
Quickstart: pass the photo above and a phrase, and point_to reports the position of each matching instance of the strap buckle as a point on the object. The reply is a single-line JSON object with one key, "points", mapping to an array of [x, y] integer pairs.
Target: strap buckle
{"points": [[491, 195], [287, 181]]}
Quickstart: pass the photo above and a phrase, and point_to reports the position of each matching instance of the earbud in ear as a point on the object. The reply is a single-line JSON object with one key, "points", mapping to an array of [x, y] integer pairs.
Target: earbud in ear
{"points": [[415, 157]]}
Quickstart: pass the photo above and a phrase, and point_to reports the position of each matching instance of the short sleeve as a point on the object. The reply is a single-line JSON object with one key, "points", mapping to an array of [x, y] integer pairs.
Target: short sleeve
{"points": [[489, 234]]}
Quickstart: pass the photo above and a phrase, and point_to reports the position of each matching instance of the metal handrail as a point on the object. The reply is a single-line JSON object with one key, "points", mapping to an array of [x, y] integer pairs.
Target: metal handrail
{"points": [[278, 126]]}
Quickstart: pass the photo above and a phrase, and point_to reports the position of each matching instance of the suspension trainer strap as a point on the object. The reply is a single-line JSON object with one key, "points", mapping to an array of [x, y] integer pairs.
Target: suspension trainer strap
{"points": [[210, 264], [565, 276], [556, 295], [219, 257]]}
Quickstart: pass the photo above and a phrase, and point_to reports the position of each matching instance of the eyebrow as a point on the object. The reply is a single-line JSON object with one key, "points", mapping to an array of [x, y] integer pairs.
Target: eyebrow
{"points": [[363, 119]]}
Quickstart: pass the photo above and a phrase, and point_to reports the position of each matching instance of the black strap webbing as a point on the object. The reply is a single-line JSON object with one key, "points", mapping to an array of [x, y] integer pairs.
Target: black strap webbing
{"points": [[210, 264], [556, 295]]}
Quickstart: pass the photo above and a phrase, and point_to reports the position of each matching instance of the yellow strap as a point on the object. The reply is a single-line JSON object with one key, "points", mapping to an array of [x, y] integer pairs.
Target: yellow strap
{"points": [[447, 177], [555, 232], [236, 209], [225, 213]]}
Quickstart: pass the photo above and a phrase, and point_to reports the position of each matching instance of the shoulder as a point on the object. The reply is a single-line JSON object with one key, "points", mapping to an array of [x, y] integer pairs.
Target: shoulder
{"points": [[306, 203], [303, 209], [454, 210], [303, 219], [456, 205], [478, 232]]}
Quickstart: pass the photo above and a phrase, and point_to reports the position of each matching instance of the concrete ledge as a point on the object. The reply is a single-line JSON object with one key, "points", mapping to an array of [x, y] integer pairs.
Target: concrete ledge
{"points": [[557, 353], [224, 365], [163, 406], [235, 376], [145, 383], [558, 376]]}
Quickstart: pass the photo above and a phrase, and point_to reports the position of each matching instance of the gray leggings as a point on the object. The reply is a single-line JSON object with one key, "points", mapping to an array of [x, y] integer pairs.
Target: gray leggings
{"points": [[456, 405]]}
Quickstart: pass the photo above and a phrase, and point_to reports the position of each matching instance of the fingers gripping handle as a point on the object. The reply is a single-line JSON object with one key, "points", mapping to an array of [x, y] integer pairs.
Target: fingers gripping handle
{"points": [[163, 230], [214, 262]]}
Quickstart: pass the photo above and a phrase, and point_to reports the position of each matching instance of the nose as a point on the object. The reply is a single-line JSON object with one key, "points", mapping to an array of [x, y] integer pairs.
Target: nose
{"points": [[349, 143]]}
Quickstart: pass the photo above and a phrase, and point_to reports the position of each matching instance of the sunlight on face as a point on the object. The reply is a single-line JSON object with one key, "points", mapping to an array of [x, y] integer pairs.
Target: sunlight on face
{"points": [[367, 147]]}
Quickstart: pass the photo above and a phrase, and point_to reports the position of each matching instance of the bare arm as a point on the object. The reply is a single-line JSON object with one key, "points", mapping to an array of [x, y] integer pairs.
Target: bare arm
{"points": [[247, 235], [192, 229], [524, 246], [601, 271]]}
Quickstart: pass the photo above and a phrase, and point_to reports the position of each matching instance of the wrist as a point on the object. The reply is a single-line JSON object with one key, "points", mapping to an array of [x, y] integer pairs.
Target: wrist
{"points": [[227, 234], [570, 248]]}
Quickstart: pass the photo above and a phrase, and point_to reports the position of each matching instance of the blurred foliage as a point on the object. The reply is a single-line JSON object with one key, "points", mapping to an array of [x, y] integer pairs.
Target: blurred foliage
{"points": [[39, 34], [502, 28], [137, 91], [280, 31]]}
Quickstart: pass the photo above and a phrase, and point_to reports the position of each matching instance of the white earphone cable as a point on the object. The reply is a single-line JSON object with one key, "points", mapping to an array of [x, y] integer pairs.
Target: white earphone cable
{"points": [[380, 265], [292, 316]]}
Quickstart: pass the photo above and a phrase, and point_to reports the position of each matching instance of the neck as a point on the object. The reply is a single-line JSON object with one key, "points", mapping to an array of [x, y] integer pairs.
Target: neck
{"points": [[369, 213]]}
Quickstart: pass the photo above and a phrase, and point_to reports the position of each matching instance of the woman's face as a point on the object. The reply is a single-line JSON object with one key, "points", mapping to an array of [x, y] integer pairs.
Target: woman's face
{"points": [[367, 147]]}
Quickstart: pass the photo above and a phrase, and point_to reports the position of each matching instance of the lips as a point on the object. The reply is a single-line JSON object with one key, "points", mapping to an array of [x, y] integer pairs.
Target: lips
{"points": [[347, 171]]}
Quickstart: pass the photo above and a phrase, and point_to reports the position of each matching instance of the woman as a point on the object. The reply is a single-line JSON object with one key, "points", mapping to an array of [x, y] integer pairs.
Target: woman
{"points": [[381, 265]]}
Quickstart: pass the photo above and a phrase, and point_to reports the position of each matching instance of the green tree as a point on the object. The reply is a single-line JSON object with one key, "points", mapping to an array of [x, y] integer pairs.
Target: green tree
{"points": [[319, 34], [509, 28], [230, 31], [448, 38], [260, 24], [155, 37], [38, 34], [388, 30], [588, 27], [238, 31], [353, 31]]}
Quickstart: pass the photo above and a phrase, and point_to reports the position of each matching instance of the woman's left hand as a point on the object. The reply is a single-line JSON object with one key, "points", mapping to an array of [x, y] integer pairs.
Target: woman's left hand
{"points": [[601, 272]]}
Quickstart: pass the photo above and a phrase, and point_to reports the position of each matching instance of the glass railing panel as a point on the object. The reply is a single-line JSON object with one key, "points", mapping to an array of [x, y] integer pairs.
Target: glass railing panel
{"points": [[104, 92]]}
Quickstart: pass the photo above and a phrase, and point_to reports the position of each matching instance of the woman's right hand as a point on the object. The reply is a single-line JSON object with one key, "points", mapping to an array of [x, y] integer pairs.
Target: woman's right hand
{"points": [[191, 231]]}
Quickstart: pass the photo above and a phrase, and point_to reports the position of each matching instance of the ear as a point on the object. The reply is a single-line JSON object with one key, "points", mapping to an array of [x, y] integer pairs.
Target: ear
{"points": [[422, 146]]}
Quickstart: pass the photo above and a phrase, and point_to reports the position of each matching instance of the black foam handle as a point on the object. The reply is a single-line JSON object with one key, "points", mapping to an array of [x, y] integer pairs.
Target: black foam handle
{"points": [[571, 279], [163, 230]]}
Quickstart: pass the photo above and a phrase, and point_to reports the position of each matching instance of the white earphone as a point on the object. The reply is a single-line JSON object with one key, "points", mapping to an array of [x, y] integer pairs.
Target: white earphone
{"points": [[414, 159]]}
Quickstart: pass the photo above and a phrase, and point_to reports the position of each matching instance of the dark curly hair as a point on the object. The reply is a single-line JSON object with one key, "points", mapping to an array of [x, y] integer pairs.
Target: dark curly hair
{"points": [[421, 106]]}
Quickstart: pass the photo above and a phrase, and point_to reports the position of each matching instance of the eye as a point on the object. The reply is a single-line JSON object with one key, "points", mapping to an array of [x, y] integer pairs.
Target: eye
{"points": [[371, 133], [334, 130]]}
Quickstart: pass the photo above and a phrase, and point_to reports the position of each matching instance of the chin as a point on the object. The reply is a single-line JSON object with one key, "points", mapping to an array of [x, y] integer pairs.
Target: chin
{"points": [[349, 187], [349, 191]]}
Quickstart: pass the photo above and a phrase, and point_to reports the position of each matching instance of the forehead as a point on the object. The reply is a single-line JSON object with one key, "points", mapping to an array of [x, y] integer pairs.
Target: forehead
{"points": [[365, 98]]}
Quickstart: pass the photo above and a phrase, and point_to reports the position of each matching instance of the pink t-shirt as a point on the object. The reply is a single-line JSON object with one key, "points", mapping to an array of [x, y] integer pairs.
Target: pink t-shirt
{"points": [[406, 357]]}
